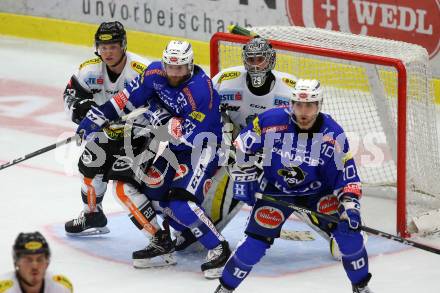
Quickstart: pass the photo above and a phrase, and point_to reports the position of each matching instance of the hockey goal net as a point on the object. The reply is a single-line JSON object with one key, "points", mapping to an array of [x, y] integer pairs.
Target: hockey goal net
{"points": [[379, 91]]}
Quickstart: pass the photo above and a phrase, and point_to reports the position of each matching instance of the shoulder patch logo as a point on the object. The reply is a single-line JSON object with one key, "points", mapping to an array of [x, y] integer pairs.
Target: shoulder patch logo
{"points": [[60, 279], [256, 124], [289, 82], [229, 75], [5, 285], [138, 67], [199, 116], [89, 62]]}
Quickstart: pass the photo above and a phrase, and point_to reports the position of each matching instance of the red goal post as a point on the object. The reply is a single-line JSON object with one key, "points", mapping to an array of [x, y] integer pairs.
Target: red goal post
{"points": [[315, 53]]}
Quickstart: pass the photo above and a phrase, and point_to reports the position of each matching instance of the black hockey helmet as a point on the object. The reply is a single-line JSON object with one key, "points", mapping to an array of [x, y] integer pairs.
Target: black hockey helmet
{"points": [[111, 32], [30, 243]]}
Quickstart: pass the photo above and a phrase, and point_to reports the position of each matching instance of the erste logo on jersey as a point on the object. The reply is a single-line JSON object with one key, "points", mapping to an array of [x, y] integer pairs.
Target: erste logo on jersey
{"points": [[269, 217], [231, 95], [414, 22]]}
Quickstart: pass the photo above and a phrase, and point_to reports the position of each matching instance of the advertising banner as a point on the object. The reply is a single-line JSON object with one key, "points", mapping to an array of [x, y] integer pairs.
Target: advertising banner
{"points": [[404, 20]]}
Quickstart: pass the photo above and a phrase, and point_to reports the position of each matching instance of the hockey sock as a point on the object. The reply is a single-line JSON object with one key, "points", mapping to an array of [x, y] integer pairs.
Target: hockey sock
{"points": [[92, 193], [192, 216], [247, 254], [354, 255]]}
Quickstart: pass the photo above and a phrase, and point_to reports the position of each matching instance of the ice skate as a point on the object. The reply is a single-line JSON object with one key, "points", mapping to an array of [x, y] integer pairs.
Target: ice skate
{"points": [[216, 260], [362, 287], [158, 253], [221, 289], [87, 224]]}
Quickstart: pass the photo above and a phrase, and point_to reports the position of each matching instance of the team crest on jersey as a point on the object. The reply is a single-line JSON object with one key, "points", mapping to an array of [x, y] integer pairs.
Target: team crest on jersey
{"points": [[89, 62], [122, 163], [86, 157], [138, 67], [229, 75], [289, 82], [292, 175], [269, 217], [154, 178]]}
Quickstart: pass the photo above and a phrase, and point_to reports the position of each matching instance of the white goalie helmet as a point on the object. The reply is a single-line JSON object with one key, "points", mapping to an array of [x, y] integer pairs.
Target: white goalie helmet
{"points": [[259, 59], [179, 53]]}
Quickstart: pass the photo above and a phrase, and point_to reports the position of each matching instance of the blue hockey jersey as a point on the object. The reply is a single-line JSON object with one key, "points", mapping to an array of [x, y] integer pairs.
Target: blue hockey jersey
{"points": [[298, 163], [194, 101]]}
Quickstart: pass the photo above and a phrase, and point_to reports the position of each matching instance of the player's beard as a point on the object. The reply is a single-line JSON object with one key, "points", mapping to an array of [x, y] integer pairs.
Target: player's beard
{"points": [[175, 81]]}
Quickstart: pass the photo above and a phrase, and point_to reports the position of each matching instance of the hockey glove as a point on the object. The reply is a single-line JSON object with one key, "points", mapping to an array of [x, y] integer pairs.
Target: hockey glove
{"points": [[80, 109], [245, 184], [349, 212], [92, 123]]}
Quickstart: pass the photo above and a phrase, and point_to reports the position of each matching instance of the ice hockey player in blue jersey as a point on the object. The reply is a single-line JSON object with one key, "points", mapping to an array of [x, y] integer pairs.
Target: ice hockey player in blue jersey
{"points": [[187, 93], [306, 162]]}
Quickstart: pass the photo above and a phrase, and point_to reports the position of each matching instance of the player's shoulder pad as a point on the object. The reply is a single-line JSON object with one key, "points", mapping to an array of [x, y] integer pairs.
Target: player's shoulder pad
{"points": [[138, 66], [64, 281], [231, 73], [286, 79], [155, 68], [330, 125], [272, 120], [90, 62], [5, 285]]}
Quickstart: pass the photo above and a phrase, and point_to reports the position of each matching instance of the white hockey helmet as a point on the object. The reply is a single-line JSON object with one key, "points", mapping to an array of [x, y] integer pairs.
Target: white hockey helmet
{"points": [[179, 53], [307, 91]]}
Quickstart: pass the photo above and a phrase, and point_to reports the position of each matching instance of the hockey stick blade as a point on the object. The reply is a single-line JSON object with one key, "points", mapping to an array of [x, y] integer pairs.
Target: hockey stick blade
{"points": [[336, 220]]}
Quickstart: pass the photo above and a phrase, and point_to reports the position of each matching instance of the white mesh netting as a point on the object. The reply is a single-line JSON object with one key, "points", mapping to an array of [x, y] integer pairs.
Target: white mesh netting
{"points": [[363, 99]]}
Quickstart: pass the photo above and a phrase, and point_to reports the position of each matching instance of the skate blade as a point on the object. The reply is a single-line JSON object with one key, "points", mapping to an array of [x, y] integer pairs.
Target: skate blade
{"points": [[155, 262], [213, 273], [90, 232]]}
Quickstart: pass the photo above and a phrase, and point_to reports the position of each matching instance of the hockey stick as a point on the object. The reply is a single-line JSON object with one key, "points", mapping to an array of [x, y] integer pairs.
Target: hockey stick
{"points": [[75, 137], [332, 219]]}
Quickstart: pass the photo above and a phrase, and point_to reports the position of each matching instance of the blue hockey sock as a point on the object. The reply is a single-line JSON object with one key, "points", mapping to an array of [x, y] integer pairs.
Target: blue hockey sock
{"points": [[241, 262], [192, 216], [354, 255]]}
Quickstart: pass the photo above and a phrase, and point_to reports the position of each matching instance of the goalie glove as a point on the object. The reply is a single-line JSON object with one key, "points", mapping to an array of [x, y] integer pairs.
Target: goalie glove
{"points": [[349, 212], [245, 184]]}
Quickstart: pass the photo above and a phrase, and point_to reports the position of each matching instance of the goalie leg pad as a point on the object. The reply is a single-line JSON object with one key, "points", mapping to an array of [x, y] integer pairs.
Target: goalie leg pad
{"points": [[141, 211], [248, 253]]}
